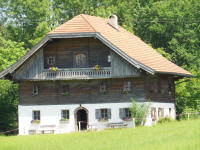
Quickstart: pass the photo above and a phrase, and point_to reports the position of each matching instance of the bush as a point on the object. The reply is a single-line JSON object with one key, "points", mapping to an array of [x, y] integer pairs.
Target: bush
{"points": [[139, 110], [165, 120]]}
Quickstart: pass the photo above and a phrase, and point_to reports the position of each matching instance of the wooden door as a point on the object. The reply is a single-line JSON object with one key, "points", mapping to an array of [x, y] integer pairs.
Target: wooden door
{"points": [[81, 61]]}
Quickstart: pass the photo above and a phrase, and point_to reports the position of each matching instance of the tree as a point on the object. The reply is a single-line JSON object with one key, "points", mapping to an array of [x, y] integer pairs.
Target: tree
{"points": [[140, 111], [8, 105]]}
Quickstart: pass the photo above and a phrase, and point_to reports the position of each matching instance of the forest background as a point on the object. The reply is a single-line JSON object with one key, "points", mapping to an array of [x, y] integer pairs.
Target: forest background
{"points": [[171, 27]]}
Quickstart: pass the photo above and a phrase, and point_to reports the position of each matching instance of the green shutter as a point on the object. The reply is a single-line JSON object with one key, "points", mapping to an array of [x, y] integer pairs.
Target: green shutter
{"points": [[109, 113], [97, 114]]}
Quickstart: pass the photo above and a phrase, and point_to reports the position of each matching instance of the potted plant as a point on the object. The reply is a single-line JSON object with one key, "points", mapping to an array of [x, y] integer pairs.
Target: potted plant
{"points": [[65, 94], [154, 119], [97, 67], [53, 68], [34, 94], [160, 91], [103, 119], [64, 120], [35, 121], [153, 91], [103, 92], [127, 119], [126, 91]]}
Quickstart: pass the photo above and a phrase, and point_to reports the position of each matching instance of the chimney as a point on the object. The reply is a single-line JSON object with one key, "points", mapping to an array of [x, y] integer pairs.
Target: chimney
{"points": [[113, 21]]}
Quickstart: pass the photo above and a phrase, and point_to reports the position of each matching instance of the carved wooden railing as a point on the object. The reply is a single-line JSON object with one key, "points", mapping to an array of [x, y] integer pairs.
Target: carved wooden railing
{"points": [[78, 73]]}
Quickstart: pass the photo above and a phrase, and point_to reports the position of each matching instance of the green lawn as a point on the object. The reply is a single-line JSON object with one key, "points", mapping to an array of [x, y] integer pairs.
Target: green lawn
{"points": [[176, 135]]}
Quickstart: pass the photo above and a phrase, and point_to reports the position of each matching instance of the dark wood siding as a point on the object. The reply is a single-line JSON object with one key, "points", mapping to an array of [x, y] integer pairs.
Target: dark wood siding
{"points": [[155, 82], [64, 50], [82, 91]]}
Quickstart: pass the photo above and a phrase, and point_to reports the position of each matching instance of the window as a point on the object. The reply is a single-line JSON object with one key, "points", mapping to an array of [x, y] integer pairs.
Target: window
{"points": [[65, 88], [124, 113], [127, 86], [127, 113], [170, 114], [65, 114], [103, 113], [152, 85], [36, 115], [103, 87], [35, 90], [153, 112], [160, 112], [51, 60]]}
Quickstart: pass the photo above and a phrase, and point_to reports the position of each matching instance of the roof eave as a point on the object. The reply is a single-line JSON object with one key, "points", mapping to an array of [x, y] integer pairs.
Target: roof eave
{"points": [[176, 74]]}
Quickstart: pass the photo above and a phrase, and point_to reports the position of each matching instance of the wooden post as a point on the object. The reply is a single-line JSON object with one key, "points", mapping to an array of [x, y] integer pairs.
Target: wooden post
{"points": [[79, 124], [188, 116], [133, 122]]}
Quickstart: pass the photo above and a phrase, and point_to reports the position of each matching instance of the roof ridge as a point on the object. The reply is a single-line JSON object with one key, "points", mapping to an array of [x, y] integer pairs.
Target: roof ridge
{"points": [[88, 22], [64, 24]]}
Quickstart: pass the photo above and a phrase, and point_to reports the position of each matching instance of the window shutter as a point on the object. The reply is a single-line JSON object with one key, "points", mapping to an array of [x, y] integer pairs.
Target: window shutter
{"points": [[162, 112], [152, 112], [155, 112], [61, 114], [33, 115], [109, 113], [37, 88], [121, 114], [33, 90], [106, 86], [97, 113]]}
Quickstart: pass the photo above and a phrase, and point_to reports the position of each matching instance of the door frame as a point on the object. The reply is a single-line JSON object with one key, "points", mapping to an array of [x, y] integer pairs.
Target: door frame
{"points": [[75, 116], [74, 58]]}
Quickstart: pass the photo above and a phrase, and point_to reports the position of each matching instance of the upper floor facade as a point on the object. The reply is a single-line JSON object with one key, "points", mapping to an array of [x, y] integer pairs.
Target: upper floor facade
{"points": [[75, 58]]}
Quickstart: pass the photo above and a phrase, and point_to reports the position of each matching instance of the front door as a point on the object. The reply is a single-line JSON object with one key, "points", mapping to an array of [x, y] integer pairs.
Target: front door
{"points": [[81, 61], [82, 116]]}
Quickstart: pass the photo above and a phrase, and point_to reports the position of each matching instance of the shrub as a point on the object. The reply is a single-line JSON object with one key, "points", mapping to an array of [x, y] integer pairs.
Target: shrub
{"points": [[139, 110], [165, 120]]}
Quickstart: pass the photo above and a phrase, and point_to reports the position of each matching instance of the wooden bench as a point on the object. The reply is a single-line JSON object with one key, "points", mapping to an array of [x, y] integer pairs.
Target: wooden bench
{"points": [[117, 124], [47, 126]]}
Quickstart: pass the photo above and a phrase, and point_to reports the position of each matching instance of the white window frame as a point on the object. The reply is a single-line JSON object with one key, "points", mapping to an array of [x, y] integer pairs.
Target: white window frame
{"points": [[51, 62], [36, 116], [67, 114], [127, 85]]}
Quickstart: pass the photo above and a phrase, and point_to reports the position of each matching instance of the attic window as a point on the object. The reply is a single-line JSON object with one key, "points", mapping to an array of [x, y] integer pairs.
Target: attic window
{"points": [[51, 60]]}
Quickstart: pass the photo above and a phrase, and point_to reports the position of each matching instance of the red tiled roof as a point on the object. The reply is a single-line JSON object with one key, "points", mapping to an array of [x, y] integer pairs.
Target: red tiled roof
{"points": [[128, 43]]}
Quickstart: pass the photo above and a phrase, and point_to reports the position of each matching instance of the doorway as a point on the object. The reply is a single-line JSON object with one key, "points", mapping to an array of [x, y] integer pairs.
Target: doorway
{"points": [[82, 116]]}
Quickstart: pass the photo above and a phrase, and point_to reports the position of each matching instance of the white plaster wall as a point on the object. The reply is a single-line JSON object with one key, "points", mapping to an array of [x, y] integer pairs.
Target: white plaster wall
{"points": [[51, 115]]}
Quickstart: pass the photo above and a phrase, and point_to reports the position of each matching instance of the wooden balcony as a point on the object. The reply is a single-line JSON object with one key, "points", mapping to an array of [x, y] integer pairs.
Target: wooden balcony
{"points": [[77, 73]]}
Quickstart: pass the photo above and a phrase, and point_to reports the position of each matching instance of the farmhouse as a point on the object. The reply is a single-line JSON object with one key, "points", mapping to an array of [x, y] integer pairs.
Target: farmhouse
{"points": [[87, 70]]}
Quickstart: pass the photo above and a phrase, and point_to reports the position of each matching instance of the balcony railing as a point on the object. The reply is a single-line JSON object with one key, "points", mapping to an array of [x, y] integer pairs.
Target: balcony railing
{"points": [[84, 73]]}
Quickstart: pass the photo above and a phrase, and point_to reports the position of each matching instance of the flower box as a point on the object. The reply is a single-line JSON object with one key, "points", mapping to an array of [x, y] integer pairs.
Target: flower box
{"points": [[65, 94], [34, 94], [153, 91], [97, 67], [64, 120], [127, 119], [103, 120], [53, 69], [126, 91], [153, 119], [35, 121], [103, 92], [160, 91]]}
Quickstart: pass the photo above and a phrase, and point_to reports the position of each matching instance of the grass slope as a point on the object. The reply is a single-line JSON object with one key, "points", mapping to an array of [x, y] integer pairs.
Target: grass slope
{"points": [[183, 135]]}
